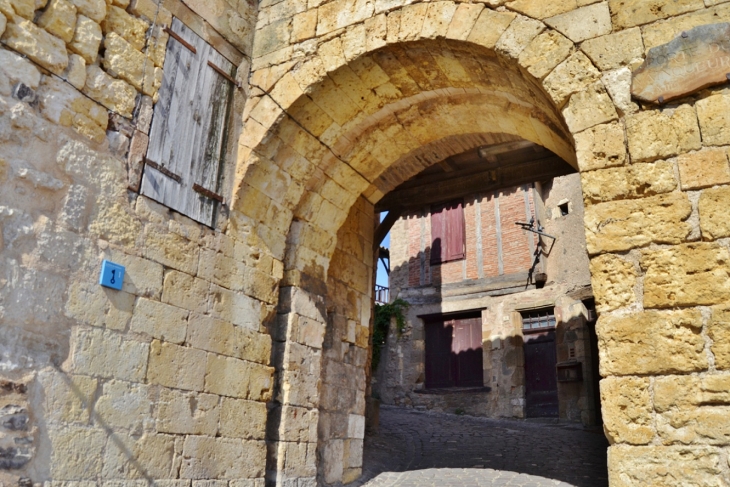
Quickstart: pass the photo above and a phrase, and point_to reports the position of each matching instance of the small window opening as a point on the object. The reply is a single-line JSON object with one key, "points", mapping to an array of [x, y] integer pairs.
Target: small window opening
{"points": [[571, 352], [564, 210], [539, 319]]}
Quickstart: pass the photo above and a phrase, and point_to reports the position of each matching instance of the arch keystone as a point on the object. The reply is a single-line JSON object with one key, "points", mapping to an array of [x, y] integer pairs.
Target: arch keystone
{"points": [[489, 27], [438, 19], [463, 21]]}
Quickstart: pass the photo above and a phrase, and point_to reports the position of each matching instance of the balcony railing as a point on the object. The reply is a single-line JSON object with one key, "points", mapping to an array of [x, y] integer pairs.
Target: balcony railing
{"points": [[382, 294]]}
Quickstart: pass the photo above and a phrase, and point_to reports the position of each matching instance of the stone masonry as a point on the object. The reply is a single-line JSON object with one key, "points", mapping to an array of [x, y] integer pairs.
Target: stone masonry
{"points": [[492, 282], [212, 365]]}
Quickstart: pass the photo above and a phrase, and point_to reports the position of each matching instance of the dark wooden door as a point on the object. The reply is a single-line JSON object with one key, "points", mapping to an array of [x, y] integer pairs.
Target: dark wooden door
{"points": [[438, 355], [541, 382], [467, 349]]}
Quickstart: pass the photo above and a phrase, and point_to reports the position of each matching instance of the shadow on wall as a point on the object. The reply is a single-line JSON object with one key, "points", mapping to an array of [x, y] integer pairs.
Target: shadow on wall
{"points": [[503, 344], [405, 369]]}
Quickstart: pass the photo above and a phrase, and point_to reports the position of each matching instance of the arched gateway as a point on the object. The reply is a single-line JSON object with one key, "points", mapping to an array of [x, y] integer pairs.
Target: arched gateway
{"points": [[237, 349], [385, 99]]}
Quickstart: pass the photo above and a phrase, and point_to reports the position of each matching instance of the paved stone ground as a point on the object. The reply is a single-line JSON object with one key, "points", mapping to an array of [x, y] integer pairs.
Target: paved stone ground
{"points": [[417, 449]]}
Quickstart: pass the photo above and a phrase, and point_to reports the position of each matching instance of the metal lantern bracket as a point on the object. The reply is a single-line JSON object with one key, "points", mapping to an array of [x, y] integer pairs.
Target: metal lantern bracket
{"points": [[537, 228]]}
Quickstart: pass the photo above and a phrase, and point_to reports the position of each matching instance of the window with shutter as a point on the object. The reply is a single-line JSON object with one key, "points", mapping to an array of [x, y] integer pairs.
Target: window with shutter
{"points": [[454, 352], [447, 232], [188, 133]]}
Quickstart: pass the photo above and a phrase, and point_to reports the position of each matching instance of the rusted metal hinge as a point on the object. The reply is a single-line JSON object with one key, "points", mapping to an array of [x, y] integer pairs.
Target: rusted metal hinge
{"points": [[227, 76], [163, 170], [182, 41], [208, 193]]}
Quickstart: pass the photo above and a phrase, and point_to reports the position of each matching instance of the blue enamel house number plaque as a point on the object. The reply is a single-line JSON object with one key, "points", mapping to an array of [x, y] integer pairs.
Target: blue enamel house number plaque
{"points": [[112, 275]]}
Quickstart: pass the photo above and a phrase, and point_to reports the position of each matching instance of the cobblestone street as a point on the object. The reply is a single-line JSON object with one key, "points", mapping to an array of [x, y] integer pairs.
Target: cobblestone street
{"points": [[415, 448]]}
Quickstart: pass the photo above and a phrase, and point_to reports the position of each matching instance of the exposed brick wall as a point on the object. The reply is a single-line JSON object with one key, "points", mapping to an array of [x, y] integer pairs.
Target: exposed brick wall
{"points": [[470, 214], [516, 244], [490, 256], [516, 248]]}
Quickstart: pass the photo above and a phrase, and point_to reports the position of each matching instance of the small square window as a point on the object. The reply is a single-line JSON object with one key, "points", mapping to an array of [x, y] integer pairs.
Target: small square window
{"points": [[539, 319]]}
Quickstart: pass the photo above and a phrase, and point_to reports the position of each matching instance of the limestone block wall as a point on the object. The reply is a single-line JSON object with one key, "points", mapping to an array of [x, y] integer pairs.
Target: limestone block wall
{"points": [[400, 378], [654, 232], [345, 352], [167, 379], [341, 94], [150, 381]]}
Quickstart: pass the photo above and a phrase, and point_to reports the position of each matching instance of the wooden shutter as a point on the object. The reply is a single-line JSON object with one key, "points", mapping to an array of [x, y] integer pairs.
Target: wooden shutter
{"points": [[454, 231], [439, 336], [437, 235], [467, 348], [447, 232], [187, 136]]}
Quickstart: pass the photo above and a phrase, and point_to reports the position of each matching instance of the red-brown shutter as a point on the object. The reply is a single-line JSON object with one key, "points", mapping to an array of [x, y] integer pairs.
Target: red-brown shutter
{"points": [[447, 232], [438, 243], [439, 356], [454, 232]]}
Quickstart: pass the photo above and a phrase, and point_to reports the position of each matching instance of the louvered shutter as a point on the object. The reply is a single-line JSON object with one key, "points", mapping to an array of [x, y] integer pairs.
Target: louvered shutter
{"points": [[187, 136], [447, 232]]}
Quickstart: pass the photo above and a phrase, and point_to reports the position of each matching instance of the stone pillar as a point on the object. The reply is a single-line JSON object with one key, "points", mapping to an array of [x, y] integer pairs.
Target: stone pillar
{"points": [[294, 414]]}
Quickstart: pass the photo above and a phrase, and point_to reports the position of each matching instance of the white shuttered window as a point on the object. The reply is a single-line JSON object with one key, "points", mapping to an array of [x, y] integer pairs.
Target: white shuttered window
{"points": [[187, 137]]}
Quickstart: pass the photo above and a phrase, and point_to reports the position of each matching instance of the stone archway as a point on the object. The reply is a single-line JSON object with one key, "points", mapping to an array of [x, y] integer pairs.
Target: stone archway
{"points": [[327, 129], [355, 132]]}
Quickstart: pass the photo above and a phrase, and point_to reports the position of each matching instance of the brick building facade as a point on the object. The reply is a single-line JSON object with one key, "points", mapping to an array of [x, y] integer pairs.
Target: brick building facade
{"points": [[496, 281]]}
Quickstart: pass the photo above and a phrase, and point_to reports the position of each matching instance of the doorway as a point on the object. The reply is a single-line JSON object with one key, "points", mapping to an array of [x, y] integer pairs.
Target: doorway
{"points": [[541, 383]]}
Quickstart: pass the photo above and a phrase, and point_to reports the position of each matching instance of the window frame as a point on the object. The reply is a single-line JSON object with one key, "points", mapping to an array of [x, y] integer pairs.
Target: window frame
{"points": [[538, 316], [450, 368]]}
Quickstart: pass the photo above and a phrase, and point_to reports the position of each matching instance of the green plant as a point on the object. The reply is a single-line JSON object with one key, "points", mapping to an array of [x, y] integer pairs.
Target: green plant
{"points": [[384, 313]]}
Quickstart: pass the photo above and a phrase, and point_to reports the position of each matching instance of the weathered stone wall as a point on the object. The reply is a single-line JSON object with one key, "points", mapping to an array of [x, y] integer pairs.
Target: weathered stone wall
{"points": [[152, 380], [401, 375], [401, 378], [345, 349], [168, 378], [341, 93], [580, 54]]}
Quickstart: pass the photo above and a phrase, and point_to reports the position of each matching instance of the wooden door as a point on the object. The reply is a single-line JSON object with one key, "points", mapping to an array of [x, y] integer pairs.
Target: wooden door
{"points": [[541, 382], [467, 349], [438, 355]]}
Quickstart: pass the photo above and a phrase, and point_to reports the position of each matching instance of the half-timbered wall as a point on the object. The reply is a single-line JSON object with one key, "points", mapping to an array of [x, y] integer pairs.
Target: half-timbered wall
{"points": [[491, 247]]}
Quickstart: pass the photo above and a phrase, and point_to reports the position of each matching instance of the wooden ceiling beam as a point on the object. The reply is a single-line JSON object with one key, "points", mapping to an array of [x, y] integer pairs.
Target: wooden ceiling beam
{"points": [[384, 227], [453, 188], [473, 164], [446, 165]]}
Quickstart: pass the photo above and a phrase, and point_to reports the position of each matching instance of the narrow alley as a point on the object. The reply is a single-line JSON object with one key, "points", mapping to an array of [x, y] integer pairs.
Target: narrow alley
{"points": [[414, 448]]}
